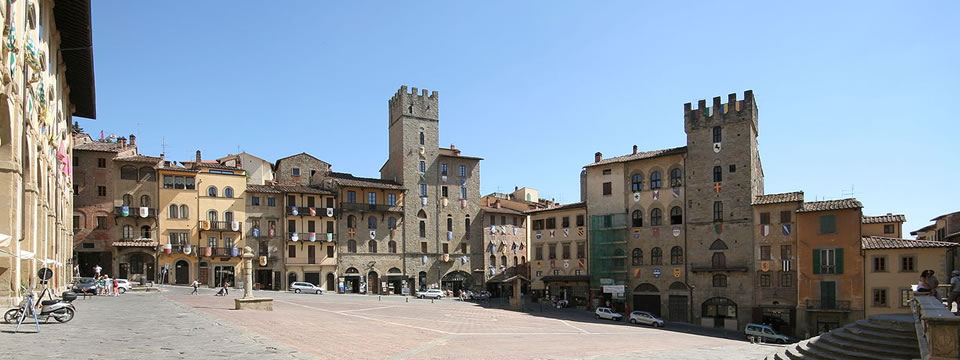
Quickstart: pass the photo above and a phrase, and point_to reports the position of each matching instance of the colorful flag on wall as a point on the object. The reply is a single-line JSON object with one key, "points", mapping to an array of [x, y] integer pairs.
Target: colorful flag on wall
{"points": [[676, 193], [718, 228], [765, 230], [656, 194], [786, 229]]}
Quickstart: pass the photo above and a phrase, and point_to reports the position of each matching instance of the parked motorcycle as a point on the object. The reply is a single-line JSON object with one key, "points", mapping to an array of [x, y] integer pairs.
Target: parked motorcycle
{"points": [[62, 310]]}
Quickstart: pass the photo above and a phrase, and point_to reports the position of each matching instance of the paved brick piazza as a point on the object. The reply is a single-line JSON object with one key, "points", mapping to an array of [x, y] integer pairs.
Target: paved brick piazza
{"points": [[175, 325]]}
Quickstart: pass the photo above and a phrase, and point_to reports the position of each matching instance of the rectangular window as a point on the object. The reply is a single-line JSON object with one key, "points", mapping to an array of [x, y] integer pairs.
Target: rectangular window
{"points": [[101, 190], [879, 264], [463, 171], [330, 227], [311, 226], [292, 251], [580, 220], [786, 279], [764, 218], [423, 247], [392, 199], [581, 250], [423, 166], [271, 201], [352, 197], [733, 168], [764, 253], [551, 223], [552, 248], [717, 211], [372, 198], [463, 192], [514, 220], [716, 134], [493, 219], [539, 273], [330, 251], [101, 163], [785, 217], [578, 272], [565, 253], [189, 183], [607, 188], [255, 201], [565, 221], [329, 202], [443, 169], [295, 172], [168, 182], [828, 224], [443, 191], [607, 171], [888, 229], [291, 226], [101, 222], [446, 248], [503, 220], [556, 272], [291, 200], [764, 280], [311, 202], [827, 261], [906, 264], [76, 222], [538, 224], [879, 297], [538, 252], [423, 190], [905, 296], [786, 252], [463, 248]]}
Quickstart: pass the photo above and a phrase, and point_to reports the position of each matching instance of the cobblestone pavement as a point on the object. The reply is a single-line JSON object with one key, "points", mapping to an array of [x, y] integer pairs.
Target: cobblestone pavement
{"points": [[334, 326], [138, 325]]}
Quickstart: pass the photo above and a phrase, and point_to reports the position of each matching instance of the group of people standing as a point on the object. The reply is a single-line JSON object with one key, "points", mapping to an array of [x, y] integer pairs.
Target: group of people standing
{"points": [[928, 285], [105, 285]]}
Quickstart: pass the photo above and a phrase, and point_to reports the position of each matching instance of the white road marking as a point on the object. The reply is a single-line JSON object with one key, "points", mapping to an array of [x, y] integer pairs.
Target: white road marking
{"points": [[571, 325], [368, 309]]}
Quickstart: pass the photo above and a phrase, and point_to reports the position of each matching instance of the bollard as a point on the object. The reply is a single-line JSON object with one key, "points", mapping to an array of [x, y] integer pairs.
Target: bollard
{"points": [[407, 299], [751, 338], [431, 301], [379, 298]]}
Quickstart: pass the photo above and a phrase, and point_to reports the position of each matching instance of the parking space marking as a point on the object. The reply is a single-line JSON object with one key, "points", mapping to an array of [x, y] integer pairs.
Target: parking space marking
{"points": [[365, 317], [571, 325], [368, 309]]}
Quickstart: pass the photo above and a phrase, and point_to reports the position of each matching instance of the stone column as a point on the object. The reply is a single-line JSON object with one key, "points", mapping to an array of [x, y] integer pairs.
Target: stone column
{"points": [[247, 273]]}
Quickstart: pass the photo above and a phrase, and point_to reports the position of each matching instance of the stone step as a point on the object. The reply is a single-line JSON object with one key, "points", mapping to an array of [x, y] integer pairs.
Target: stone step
{"points": [[873, 349], [793, 353], [887, 329], [898, 323], [838, 352], [880, 335], [808, 352], [858, 335]]}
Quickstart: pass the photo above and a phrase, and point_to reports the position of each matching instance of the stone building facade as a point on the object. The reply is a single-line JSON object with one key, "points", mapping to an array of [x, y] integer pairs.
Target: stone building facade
{"points": [[425, 171], [135, 210], [505, 246], [893, 265], [775, 232], [559, 254], [310, 231], [264, 234], [43, 87]]}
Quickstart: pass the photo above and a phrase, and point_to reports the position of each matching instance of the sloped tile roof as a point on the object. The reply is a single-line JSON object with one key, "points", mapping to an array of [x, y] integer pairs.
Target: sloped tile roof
{"points": [[266, 189], [925, 228], [135, 243], [831, 205], [883, 219], [561, 207], [140, 159], [795, 196], [879, 242], [640, 155], [103, 146], [502, 210], [300, 189], [345, 179]]}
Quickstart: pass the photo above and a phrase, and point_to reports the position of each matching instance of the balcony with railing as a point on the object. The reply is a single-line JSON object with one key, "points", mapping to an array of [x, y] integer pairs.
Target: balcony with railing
{"points": [[371, 207], [232, 226], [314, 236], [134, 211], [828, 306], [312, 211]]}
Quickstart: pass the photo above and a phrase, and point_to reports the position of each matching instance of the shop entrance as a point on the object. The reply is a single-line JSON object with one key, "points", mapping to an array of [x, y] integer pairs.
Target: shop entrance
{"points": [[182, 272], [264, 280], [456, 281], [223, 274], [312, 277], [646, 297], [351, 281], [203, 274], [373, 283]]}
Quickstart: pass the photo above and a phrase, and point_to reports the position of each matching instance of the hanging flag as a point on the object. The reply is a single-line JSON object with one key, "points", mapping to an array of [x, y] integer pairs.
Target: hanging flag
{"points": [[144, 211], [765, 229], [235, 226], [330, 212], [187, 249], [294, 237], [443, 178], [580, 262], [313, 236], [636, 273], [293, 211], [676, 230], [516, 230], [579, 231], [636, 233], [463, 181], [566, 232], [552, 233], [256, 232], [676, 193], [373, 234], [352, 232], [718, 228], [449, 235], [539, 234], [636, 196], [493, 248], [424, 259], [553, 264], [656, 194], [717, 187], [786, 229], [716, 147], [463, 259], [125, 211], [313, 211]]}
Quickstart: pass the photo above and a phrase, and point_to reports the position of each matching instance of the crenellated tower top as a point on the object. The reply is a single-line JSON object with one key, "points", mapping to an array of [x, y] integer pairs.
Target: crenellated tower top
{"points": [[720, 113], [423, 105]]}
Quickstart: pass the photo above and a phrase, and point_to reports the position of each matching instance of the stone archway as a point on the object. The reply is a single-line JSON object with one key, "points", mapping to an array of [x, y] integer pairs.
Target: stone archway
{"points": [[182, 272], [646, 297]]}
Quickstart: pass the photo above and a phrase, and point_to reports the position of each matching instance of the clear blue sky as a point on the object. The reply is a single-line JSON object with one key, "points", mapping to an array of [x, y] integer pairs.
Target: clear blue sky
{"points": [[861, 95]]}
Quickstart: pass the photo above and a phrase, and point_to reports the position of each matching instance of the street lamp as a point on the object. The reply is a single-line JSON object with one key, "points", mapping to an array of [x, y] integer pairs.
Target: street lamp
{"points": [[691, 287]]}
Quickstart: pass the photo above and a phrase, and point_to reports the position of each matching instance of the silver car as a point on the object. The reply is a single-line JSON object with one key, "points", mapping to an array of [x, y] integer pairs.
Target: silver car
{"points": [[432, 294], [299, 287], [643, 317]]}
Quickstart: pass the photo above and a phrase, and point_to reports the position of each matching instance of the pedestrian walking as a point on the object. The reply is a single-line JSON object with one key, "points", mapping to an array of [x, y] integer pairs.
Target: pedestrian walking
{"points": [[196, 288], [96, 271], [116, 287], [954, 291]]}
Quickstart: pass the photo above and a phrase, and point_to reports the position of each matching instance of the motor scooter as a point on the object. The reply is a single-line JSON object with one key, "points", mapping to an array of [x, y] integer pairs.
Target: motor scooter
{"points": [[61, 310]]}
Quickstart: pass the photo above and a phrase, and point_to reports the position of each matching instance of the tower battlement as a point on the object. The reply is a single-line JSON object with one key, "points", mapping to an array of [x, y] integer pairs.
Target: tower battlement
{"points": [[720, 113], [421, 104]]}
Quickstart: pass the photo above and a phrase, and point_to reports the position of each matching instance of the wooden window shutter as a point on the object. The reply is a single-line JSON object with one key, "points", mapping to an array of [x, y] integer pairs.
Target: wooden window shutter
{"points": [[839, 260], [816, 261]]}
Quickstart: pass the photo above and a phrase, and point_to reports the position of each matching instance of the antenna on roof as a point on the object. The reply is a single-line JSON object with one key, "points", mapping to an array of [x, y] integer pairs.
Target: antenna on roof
{"points": [[848, 193], [163, 145]]}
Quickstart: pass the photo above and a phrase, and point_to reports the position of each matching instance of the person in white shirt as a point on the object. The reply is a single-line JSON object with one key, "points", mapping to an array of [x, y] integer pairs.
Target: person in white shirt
{"points": [[196, 286]]}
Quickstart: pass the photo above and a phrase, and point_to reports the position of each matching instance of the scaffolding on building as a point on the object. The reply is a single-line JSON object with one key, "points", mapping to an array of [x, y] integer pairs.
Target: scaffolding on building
{"points": [[608, 250]]}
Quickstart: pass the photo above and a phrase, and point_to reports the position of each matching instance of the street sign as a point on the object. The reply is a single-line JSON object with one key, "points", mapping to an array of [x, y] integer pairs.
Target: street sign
{"points": [[606, 281], [656, 273], [613, 289]]}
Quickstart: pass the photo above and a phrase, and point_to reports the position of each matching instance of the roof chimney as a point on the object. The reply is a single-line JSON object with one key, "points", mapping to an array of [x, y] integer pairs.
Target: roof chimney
{"points": [[597, 157], [452, 147], [634, 149], [122, 140], [198, 157], [515, 188], [133, 139]]}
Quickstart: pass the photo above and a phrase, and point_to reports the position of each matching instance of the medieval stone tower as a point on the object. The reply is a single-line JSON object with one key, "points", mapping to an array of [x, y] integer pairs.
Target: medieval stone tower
{"points": [[723, 174]]}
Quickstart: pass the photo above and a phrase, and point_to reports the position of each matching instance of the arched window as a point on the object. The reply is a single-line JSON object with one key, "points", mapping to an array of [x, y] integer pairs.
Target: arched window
{"points": [[637, 218], [184, 212], [372, 246], [719, 307], [212, 215], [719, 280], [421, 138], [128, 172], [351, 246], [717, 211], [637, 257], [449, 222], [675, 177], [523, 259], [212, 191], [636, 182], [493, 260], [127, 232], [127, 200], [423, 228], [352, 222], [676, 216], [228, 216], [174, 212], [392, 247], [422, 214], [145, 232], [147, 174], [719, 260], [656, 217], [503, 260], [136, 263], [466, 226], [619, 259], [145, 200], [514, 261], [372, 222], [646, 288], [718, 245], [228, 192], [655, 180], [676, 255], [717, 174], [656, 256], [391, 222]]}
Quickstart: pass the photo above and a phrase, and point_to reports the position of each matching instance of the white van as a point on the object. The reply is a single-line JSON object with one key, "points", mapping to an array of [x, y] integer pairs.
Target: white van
{"points": [[766, 332]]}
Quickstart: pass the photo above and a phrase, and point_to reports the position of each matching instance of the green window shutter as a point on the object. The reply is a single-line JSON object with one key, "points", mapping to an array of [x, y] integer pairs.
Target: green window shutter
{"points": [[816, 261], [839, 260]]}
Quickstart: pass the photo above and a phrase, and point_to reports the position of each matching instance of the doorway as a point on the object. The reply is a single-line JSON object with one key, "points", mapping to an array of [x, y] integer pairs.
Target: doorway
{"points": [[203, 273], [374, 282], [264, 280], [182, 272], [124, 271], [646, 297], [678, 308], [331, 281], [312, 277]]}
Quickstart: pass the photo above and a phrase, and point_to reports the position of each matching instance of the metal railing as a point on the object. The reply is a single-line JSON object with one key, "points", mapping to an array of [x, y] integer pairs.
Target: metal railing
{"points": [[371, 207], [317, 236], [134, 211], [305, 211], [207, 225], [828, 305]]}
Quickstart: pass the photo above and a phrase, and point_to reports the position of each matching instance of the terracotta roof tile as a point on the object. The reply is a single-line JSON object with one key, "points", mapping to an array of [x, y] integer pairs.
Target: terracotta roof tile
{"points": [[102, 146], [136, 243], [778, 198], [831, 205], [345, 179], [140, 159], [502, 210], [300, 189], [265, 189], [879, 242], [883, 219], [640, 155], [923, 229], [561, 207]]}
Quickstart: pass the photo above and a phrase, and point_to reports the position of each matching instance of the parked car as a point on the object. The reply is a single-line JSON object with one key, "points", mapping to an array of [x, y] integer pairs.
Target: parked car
{"points": [[299, 287], [124, 285], [645, 318], [432, 293], [766, 332], [607, 313], [85, 285], [481, 295]]}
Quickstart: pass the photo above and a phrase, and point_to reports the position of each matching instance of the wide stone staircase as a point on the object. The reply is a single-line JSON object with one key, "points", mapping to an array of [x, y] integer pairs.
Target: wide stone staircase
{"points": [[891, 336]]}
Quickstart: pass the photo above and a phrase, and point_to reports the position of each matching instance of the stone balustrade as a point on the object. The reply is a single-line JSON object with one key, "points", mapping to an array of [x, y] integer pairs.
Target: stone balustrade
{"points": [[938, 329]]}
